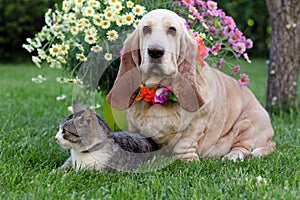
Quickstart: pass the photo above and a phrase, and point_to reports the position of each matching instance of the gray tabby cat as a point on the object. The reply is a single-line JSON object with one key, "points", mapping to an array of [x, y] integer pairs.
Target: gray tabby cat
{"points": [[94, 146]]}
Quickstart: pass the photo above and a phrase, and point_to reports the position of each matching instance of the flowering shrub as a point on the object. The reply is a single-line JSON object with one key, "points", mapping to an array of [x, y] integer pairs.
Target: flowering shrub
{"points": [[81, 27], [216, 34]]}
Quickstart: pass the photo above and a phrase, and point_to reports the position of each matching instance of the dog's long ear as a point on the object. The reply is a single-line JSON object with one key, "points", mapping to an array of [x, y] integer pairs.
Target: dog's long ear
{"points": [[185, 86], [128, 79]]}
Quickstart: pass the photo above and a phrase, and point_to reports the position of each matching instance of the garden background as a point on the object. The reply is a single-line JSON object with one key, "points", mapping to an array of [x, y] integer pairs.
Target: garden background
{"points": [[30, 114]]}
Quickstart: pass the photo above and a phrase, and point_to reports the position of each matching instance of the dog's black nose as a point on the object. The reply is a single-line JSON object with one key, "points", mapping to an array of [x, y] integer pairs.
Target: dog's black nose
{"points": [[156, 51]]}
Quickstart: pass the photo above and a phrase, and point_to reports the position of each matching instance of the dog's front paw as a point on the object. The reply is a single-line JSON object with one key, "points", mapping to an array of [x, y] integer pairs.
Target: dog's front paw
{"points": [[187, 157], [234, 155]]}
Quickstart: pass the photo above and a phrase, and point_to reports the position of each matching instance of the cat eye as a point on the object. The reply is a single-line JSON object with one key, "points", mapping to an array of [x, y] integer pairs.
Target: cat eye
{"points": [[64, 132], [171, 31], [146, 30]]}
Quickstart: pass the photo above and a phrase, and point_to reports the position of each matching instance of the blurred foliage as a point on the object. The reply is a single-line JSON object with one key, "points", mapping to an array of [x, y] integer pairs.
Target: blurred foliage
{"points": [[252, 19], [20, 19]]}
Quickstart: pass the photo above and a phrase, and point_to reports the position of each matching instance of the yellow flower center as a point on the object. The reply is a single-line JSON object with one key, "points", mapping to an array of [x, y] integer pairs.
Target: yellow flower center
{"points": [[128, 18], [55, 50]]}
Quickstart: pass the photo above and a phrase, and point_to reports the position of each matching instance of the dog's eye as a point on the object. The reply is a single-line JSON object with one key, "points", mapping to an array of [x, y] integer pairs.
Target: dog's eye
{"points": [[172, 31], [146, 30]]}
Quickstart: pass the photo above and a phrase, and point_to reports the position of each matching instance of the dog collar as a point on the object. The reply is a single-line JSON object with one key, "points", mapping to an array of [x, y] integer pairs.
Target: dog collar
{"points": [[157, 95]]}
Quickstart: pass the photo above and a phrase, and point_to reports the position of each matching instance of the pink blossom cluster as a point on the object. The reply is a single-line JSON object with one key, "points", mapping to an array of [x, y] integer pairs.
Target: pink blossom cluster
{"points": [[222, 35]]}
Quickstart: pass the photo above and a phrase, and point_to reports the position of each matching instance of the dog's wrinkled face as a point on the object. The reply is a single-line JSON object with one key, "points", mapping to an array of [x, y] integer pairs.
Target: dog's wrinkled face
{"points": [[160, 35]]}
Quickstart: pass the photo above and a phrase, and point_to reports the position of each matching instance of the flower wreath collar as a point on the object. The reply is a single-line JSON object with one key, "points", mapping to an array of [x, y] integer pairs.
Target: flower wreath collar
{"points": [[157, 95]]}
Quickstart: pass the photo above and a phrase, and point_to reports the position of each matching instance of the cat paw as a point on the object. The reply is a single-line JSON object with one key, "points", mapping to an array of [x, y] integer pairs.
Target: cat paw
{"points": [[67, 165], [234, 156]]}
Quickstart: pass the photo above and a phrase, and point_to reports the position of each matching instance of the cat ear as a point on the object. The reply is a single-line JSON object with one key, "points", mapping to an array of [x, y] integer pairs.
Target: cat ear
{"points": [[88, 116], [76, 107]]}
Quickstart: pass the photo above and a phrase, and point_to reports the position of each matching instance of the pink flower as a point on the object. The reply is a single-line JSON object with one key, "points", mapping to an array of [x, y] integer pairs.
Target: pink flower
{"points": [[221, 63], [162, 95], [244, 80], [239, 48], [247, 57], [216, 48], [212, 5], [235, 70], [229, 21], [249, 44], [188, 2], [201, 4], [121, 52]]}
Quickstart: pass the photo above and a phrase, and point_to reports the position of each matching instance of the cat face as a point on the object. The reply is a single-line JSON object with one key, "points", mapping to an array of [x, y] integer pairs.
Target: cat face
{"points": [[81, 130]]}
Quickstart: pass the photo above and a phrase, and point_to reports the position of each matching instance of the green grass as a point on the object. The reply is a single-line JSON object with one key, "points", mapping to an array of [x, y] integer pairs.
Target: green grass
{"points": [[29, 155]]}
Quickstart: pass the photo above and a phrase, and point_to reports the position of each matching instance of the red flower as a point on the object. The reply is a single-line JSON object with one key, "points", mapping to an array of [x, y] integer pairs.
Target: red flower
{"points": [[202, 52], [146, 94]]}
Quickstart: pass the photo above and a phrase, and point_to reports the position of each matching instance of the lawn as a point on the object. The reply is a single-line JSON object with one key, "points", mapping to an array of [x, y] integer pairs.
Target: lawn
{"points": [[30, 157]]}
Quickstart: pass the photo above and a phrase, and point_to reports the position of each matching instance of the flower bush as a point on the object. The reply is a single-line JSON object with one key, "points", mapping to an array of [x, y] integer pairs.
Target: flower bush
{"points": [[81, 27]]}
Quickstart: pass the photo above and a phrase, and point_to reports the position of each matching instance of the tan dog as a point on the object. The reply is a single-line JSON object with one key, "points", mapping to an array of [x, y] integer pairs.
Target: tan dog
{"points": [[214, 116]]}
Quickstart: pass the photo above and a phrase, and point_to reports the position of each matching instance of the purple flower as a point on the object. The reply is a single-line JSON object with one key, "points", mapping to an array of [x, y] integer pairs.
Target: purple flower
{"points": [[221, 63], [235, 70], [162, 95], [216, 48], [213, 30], [244, 80]]}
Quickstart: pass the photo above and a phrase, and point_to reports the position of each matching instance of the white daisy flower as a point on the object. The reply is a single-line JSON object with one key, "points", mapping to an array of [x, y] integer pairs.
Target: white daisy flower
{"points": [[60, 98], [36, 61], [136, 23], [59, 35], [109, 15], [129, 18], [129, 4], [80, 26], [90, 39], [112, 2], [94, 3], [105, 24], [85, 22], [42, 54], [64, 49], [91, 31], [95, 106], [74, 30], [112, 35], [78, 2], [88, 11], [54, 50], [79, 46], [81, 57], [120, 21], [29, 48], [138, 10], [39, 79], [108, 56], [96, 49], [66, 6], [98, 21], [118, 6], [55, 64]]}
